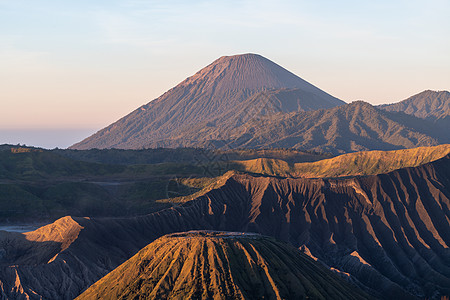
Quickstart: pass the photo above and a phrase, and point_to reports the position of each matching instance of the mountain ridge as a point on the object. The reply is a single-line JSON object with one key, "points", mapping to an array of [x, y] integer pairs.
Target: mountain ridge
{"points": [[357, 126], [351, 164], [389, 232], [248, 101], [221, 87], [430, 105]]}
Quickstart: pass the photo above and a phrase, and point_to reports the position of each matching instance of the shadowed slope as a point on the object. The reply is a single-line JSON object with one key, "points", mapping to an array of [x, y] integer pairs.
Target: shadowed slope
{"points": [[39, 246], [390, 232], [37, 184], [220, 265], [28, 163], [357, 126], [226, 86], [431, 105]]}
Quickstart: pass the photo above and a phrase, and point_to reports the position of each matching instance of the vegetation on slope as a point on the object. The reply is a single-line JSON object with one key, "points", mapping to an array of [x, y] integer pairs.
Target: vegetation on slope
{"points": [[190, 156], [37, 184], [431, 105], [352, 164], [44, 185], [390, 232], [29, 163]]}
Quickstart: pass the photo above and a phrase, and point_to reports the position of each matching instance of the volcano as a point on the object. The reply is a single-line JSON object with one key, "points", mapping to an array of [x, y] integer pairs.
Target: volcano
{"points": [[221, 265], [239, 86], [388, 233]]}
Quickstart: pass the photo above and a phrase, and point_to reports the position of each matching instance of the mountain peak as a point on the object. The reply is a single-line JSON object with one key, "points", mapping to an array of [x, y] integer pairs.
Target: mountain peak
{"points": [[230, 87], [432, 92], [241, 56], [360, 103], [221, 265], [431, 105], [244, 58], [246, 72]]}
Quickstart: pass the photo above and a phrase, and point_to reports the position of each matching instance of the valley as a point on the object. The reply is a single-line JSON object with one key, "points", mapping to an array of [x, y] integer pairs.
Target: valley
{"points": [[39, 185], [388, 231], [46, 185], [243, 181]]}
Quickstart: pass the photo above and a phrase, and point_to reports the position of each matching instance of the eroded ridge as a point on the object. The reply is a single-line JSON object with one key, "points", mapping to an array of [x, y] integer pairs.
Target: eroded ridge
{"points": [[221, 265]]}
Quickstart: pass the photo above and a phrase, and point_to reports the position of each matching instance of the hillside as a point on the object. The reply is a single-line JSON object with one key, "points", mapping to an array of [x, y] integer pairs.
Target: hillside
{"points": [[241, 86], [43, 185], [247, 101], [430, 105], [357, 126], [389, 233], [29, 163], [221, 265], [184, 155], [351, 164]]}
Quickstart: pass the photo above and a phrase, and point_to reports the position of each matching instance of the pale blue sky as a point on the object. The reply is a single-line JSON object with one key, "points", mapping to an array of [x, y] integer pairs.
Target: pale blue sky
{"points": [[84, 64]]}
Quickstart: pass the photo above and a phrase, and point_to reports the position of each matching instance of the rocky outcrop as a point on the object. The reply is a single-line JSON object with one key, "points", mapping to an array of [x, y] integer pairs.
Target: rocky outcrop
{"points": [[389, 233]]}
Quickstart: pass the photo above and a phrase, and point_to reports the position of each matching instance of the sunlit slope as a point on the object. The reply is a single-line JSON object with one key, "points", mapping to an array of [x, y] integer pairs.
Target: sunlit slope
{"points": [[266, 166], [359, 163], [389, 232], [221, 265], [40, 246]]}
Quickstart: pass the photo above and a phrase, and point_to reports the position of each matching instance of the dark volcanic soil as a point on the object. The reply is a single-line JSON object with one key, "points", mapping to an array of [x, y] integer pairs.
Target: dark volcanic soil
{"points": [[221, 265], [389, 232]]}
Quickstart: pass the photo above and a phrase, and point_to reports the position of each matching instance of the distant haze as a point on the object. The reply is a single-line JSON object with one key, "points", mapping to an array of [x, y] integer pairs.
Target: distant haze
{"points": [[78, 64], [44, 138]]}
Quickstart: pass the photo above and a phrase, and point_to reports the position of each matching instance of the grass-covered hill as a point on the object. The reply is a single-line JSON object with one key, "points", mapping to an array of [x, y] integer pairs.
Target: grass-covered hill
{"points": [[37, 184], [352, 164], [32, 163], [186, 155], [43, 185]]}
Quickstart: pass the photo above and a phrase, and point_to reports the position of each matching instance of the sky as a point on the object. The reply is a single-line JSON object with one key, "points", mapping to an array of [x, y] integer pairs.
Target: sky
{"points": [[70, 68]]}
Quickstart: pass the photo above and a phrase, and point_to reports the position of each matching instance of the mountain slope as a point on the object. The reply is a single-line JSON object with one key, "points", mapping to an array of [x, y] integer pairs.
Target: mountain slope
{"points": [[225, 86], [357, 126], [351, 164], [430, 105], [389, 233], [221, 265]]}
